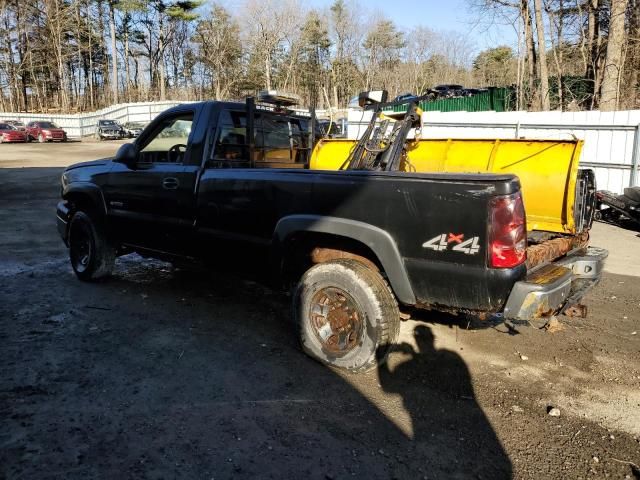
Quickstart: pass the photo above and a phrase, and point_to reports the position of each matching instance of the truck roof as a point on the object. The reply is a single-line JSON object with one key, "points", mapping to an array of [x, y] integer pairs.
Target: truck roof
{"points": [[242, 105]]}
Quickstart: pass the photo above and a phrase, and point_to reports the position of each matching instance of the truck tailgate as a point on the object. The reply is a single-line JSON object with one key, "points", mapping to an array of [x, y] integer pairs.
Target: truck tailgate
{"points": [[547, 169]]}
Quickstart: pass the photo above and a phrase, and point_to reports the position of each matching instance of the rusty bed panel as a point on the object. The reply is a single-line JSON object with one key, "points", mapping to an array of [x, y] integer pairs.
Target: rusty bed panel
{"points": [[550, 250]]}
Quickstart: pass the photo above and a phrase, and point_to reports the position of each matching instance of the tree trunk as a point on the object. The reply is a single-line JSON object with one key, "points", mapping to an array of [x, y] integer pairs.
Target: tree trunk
{"points": [[114, 53], [556, 23], [161, 67], [634, 53], [610, 88], [104, 66], [90, 49], [78, 36], [127, 72], [593, 49], [543, 72], [267, 70], [525, 12]]}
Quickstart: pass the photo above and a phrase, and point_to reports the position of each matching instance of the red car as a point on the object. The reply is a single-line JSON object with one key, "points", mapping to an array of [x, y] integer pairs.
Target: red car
{"points": [[45, 132], [10, 134]]}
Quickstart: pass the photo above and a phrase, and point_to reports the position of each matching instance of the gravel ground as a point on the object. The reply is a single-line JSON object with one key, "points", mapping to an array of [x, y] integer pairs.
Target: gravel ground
{"points": [[161, 372]]}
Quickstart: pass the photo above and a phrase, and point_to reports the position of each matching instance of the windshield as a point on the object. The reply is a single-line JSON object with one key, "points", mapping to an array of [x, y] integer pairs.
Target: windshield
{"points": [[108, 122], [16, 123], [135, 125], [5, 126], [47, 125]]}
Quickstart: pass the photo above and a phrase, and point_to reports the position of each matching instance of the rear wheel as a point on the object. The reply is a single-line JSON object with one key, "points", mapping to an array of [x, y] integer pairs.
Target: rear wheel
{"points": [[92, 256], [347, 316]]}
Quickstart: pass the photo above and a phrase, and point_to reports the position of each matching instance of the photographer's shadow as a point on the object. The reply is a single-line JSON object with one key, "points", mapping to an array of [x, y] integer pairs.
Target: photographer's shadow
{"points": [[451, 435]]}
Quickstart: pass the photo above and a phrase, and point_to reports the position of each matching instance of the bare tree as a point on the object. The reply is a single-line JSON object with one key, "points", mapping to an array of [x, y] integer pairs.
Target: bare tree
{"points": [[346, 34], [220, 49], [268, 23], [419, 49], [543, 72], [114, 52], [610, 88]]}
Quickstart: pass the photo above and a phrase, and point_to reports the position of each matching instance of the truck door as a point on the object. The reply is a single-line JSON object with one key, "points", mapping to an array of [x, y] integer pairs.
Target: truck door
{"points": [[241, 198], [152, 204]]}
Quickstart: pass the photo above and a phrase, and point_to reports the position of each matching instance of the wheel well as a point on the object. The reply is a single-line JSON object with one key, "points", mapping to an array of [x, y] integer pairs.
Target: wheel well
{"points": [[302, 250], [82, 201]]}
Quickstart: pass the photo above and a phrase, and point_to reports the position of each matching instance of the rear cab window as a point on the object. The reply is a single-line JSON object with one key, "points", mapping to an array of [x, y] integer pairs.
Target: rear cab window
{"points": [[280, 141]]}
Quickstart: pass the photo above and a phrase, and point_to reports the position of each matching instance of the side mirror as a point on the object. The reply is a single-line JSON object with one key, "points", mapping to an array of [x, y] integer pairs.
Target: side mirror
{"points": [[127, 154], [372, 97]]}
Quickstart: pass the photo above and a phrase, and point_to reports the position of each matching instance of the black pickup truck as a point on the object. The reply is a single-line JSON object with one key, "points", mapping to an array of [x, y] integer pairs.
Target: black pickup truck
{"points": [[221, 180]]}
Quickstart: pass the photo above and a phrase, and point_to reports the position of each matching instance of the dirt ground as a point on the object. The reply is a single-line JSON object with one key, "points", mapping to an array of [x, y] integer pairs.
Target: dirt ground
{"points": [[168, 373]]}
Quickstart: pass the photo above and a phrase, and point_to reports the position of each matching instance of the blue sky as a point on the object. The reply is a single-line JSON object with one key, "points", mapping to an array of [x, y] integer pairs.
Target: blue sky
{"points": [[454, 15], [439, 15]]}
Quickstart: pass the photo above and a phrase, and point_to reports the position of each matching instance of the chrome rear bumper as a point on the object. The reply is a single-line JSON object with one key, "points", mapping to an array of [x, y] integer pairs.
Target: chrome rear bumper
{"points": [[556, 286]]}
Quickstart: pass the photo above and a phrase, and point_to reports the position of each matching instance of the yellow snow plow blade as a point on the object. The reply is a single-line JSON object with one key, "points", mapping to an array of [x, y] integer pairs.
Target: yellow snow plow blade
{"points": [[547, 169]]}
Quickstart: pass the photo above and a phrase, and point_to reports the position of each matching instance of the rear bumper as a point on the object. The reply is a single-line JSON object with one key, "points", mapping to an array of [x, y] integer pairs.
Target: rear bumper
{"points": [[556, 286], [62, 220]]}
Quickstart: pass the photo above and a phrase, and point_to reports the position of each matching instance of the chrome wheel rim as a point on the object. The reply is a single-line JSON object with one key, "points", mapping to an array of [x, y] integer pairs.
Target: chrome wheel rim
{"points": [[336, 320]]}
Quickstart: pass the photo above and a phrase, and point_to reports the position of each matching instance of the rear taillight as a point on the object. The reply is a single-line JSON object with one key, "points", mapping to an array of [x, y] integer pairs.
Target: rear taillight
{"points": [[507, 232]]}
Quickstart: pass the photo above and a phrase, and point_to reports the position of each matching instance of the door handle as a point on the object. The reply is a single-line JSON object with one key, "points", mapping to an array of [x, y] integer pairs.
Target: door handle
{"points": [[170, 183]]}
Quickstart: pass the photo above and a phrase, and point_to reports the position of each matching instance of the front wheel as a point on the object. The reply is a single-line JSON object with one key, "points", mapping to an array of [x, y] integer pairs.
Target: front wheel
{"points": [[92, 256], [41, 138], [347, 316]]}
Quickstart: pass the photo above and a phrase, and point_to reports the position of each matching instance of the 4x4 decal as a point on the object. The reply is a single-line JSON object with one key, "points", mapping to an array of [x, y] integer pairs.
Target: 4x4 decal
{"points": [[441, 242]]}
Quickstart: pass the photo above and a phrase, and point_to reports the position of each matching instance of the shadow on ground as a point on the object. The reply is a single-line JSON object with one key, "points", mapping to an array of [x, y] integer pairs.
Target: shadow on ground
{"points": [[160, 372]]}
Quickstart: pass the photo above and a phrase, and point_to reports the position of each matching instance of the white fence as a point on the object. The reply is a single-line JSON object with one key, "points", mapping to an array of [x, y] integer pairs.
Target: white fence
{"points": [[611, 148], [83, 124], [611, 139]]}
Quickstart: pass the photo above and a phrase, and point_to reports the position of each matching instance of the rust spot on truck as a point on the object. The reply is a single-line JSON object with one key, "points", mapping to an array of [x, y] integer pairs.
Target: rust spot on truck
{"points": [[323, 254], [550, 250]]}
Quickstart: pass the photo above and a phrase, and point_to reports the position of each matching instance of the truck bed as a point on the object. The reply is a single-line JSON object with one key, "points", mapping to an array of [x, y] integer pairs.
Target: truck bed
{"points": [[547, 169]]}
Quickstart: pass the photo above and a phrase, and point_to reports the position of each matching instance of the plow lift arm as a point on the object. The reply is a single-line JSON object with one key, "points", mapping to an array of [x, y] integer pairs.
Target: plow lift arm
{"points": [[376, 150]]}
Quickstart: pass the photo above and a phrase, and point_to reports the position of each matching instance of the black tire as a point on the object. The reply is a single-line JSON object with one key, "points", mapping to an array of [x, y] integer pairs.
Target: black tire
{"points": [[92, 256], [343, 291]]}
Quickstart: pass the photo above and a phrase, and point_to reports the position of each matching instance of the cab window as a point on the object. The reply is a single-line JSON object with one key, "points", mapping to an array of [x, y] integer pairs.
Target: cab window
{"points": [[273, 142], [231, 145], [169, 140], [280, 141]]}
